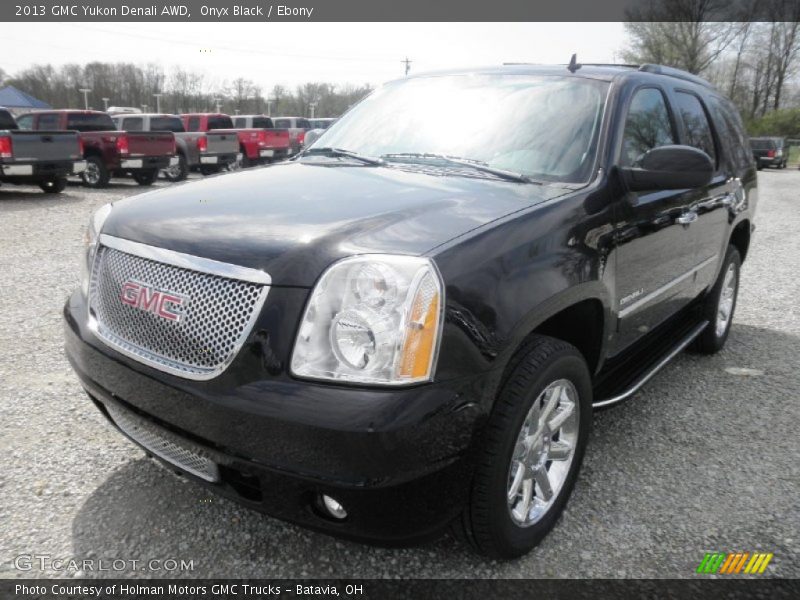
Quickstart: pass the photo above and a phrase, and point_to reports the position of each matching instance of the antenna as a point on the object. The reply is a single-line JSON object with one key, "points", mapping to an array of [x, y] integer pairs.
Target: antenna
{"points": [[573, 64]]}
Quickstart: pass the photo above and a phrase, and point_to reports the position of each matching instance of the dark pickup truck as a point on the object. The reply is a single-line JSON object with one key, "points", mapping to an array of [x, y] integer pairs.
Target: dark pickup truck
{"points": [[109, 152], [407, 328], [42, 158], [194, 148]]}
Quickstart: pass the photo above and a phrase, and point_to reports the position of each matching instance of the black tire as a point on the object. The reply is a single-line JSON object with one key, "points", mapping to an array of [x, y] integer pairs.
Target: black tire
{"points": [[179, 172], [487, 522], [759, 166], [96, 175], [713, 338], [145, 178], [209, 169], [55, 185]]}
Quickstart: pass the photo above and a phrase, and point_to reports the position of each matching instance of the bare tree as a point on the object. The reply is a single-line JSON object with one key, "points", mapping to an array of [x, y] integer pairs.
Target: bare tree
{"points": [[688, 34]]}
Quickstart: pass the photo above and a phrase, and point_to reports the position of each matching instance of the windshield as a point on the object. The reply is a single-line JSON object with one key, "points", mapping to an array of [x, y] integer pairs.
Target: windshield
{"points": [[90, 122], [172, 124], [762, 144], [542, 127]]}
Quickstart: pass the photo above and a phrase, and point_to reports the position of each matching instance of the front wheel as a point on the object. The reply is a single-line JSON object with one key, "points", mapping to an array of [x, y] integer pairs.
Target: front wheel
{"points": [[55, 185], [534, 444], [719, 305]]}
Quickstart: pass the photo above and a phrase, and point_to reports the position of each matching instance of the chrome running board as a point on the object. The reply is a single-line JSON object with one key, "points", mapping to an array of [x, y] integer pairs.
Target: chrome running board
{"points": [[645, 377]]}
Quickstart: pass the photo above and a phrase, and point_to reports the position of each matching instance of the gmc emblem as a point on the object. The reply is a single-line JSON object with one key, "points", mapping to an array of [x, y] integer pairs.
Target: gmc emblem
{"points": [[144, 297]]}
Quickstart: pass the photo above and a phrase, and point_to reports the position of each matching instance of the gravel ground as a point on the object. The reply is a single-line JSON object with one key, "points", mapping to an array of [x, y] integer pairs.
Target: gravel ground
{"points": [[705, 458]]}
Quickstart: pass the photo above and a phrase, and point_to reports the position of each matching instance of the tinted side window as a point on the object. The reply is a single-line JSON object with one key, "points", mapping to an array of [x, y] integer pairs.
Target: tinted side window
{"points": [[6, 120], [47, 122], [220, 123], [648, 126], [240, 123], [194, 124], [132, 124], [698, 130], [262, 123], [283, 123], [730, 124], [25, 122]]}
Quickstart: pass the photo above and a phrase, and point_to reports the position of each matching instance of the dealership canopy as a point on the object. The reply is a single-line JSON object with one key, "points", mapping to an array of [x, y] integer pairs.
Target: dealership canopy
{"points": [[11, 97]]}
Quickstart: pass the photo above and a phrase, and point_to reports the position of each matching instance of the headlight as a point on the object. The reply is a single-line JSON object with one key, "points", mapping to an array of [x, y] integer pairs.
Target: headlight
{"points": [[90, 240], [372, 319]]}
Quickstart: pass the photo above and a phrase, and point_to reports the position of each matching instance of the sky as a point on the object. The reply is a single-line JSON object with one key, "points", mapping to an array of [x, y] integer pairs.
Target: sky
{"points": [[294, 53]]}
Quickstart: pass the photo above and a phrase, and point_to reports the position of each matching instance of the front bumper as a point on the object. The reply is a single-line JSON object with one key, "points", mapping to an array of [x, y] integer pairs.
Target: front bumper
{"points": [[398, 460]]}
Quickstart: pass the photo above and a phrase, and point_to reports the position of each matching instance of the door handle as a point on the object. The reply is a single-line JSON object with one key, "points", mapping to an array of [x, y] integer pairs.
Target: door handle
{"points": [[686, 218]]}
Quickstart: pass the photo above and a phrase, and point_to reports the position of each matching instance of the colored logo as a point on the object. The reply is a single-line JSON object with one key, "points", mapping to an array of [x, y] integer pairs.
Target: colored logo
{"points": [[734, 563], [165, 305]]}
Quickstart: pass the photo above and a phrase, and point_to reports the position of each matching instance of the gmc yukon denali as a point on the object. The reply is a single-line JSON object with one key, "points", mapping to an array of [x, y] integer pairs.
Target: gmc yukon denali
{"points": [[408, 327], [109, 152], [43, 158], [193, 147]]}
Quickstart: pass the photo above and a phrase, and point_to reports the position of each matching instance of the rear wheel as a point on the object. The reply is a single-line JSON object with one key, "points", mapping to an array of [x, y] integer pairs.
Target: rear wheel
{"points": [[177, 172], [56, 185], [96, 175], [719, 305], [534, 444]]}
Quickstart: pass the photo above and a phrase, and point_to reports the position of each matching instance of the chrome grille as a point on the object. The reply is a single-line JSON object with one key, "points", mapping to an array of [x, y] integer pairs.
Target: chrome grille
{"points": [[216, 317], [159, 445]]}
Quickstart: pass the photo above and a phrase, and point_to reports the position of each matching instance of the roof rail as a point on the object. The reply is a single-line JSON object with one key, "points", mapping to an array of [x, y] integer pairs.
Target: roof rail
{"points": [[677, 73]]}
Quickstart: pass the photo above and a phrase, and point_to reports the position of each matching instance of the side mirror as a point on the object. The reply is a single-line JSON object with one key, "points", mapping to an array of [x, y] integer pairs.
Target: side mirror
{"points": [[669, 168], [312, 136]]}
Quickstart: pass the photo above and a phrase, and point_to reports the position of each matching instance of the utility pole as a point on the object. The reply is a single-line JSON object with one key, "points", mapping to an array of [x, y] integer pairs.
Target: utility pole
{"points": [[105, 103], [85, 92], [270, 100], [158, 101], [312, 106], [408, 64]]}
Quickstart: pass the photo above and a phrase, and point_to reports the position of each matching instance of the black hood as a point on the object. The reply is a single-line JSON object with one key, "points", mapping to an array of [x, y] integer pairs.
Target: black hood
{"points": [[292, 220]]}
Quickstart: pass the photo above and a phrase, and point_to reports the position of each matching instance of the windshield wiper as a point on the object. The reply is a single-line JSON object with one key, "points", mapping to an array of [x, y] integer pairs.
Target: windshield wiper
{"points": [[340, 152], [465, 162]]}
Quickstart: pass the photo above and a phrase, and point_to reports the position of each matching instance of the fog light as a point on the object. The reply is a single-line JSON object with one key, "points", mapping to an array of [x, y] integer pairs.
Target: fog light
{"points": [[335, 509]]}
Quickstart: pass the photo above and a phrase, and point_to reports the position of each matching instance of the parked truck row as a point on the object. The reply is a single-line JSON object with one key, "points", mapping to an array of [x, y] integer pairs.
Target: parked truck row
{"points": [[46, 147]]}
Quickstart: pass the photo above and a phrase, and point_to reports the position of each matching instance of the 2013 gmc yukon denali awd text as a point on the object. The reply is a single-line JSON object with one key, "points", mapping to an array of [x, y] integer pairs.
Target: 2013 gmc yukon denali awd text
{"points": [[408, 326]]}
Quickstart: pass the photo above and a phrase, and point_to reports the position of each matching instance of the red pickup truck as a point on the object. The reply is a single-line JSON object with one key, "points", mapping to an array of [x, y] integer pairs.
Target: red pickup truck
{"points": [[259, 142], [109, 152]]}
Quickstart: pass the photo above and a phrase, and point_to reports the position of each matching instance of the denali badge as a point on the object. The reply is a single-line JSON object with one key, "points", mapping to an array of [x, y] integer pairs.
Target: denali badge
{"points": [[166, 305]]}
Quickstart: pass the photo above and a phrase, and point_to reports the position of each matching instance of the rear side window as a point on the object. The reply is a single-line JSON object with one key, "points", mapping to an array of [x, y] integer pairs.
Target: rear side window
{"points": [[695, 121], [49, 122], [132, 124], [194, 124], [240, 123], [25, 122], [303, 124], [262, 123], [6, 120], [730, 124], [283, 123], [220, 123], [648, 126]]}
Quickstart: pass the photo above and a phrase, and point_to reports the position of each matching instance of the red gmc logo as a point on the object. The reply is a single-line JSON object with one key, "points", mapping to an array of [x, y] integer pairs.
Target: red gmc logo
{"points": [[144, 297]]}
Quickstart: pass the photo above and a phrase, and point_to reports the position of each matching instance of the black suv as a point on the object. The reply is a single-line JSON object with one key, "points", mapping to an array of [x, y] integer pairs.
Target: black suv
{"points": [[769, 152], [408, 326]]}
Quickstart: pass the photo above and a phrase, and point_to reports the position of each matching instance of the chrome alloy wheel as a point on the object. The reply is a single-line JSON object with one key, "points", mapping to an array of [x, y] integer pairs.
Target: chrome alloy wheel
{"points": [[92, 173], [727, 297], [173, 172], [543, 453]]}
